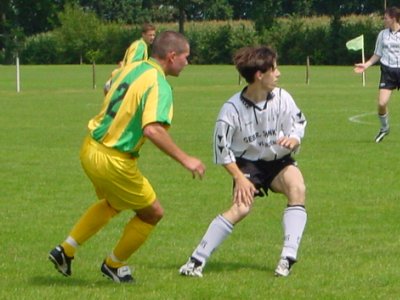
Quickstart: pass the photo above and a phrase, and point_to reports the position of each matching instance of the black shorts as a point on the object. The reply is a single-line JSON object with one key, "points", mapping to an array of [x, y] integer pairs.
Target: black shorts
{"points": [[261, 172], [390, 78]]}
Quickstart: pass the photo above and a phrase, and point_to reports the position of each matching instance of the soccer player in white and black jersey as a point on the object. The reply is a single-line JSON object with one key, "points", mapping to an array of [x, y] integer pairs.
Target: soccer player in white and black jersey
{"points": [[387, 51], [256, 133]]}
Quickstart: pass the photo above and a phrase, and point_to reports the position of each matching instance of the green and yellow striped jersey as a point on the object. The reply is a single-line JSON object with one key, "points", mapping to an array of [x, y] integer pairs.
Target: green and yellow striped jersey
{"points": [[139, 95], [137, 51]]}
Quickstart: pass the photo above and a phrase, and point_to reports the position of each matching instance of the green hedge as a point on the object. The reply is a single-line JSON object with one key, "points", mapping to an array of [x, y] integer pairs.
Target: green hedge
{"points": [[323, 39]]}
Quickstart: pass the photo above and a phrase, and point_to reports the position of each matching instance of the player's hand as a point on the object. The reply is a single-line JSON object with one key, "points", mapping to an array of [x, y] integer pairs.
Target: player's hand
{"points": [[359, 68], [195, 166], [288, 142], [243, 192]]}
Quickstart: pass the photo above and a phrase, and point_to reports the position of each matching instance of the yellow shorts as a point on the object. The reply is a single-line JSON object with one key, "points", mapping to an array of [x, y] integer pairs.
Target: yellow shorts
{"points": [[116, 177]]}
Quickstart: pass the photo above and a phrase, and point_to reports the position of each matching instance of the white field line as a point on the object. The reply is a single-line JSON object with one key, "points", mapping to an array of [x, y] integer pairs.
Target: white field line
{"points": [[358, 118]]}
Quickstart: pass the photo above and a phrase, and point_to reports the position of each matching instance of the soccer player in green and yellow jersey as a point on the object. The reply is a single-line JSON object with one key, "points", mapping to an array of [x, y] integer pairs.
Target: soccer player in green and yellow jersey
{"points": [[137, 107], [138, 50]]}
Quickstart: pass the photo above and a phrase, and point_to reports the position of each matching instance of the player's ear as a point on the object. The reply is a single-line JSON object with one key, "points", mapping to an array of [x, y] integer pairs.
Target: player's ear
{"points": [[259, 75], [171, 56]]}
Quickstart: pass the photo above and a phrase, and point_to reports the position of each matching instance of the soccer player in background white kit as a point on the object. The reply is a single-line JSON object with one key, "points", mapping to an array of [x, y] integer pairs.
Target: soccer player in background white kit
{"points": [[256, 132], [387, 51]]}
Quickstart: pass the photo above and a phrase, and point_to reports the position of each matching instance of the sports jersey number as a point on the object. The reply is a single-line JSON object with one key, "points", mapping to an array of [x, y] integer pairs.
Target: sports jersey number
{"points": [[121, 91]]}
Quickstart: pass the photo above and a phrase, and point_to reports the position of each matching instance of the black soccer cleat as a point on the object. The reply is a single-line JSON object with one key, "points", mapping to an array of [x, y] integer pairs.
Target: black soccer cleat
{"points": [[61, 261], [381, 134], [121, 275]]}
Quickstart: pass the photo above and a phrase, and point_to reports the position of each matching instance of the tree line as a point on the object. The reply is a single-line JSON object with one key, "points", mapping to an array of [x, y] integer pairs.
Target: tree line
{"points": [[20, 19]]}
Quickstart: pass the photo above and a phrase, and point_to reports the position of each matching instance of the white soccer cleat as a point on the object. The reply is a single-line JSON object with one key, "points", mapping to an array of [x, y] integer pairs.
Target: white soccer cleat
{"points": [[284, 266], [192, 268]]}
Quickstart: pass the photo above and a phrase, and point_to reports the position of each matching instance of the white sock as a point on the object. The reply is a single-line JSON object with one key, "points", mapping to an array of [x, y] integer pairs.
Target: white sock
{"points": [[294, 221], [384, 119], [217, 232], [72, 242]]}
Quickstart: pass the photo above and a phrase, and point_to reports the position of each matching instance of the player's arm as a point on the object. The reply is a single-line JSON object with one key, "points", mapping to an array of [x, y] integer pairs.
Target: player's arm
{"points": [[243, 191], [293, 125], [361, 67], [160, 137]]}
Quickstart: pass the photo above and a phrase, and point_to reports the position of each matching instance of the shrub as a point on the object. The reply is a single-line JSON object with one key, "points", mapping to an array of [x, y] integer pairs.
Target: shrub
{"points": [[323, 39], [42, 48]]}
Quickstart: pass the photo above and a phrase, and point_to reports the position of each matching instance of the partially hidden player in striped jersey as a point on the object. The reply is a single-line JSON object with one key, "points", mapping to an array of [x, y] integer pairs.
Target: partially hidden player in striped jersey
{"points": [[256, 132], [387, 51], [137, 51], [137, 107]]}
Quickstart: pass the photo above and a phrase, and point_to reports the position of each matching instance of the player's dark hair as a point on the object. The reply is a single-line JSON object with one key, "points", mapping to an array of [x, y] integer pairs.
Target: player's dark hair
{"points": [[393, 12], [168, 41], [249, 60]]}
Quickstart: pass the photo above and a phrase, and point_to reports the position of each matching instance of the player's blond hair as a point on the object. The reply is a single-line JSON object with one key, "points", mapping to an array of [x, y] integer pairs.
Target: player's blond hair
{"points": [[148, 27]]}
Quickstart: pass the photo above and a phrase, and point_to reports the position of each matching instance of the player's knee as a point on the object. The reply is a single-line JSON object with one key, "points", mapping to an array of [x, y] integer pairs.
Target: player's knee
{"points": [[152, 214], [236, 213], [297, 194], [158, 214], [244, 210]]}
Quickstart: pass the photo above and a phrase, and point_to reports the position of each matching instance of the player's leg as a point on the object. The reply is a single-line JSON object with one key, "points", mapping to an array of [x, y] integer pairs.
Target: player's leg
{"points": [[92, 220], [136, 193], [290, 182], [218, 230], [135, 233], [383, 114]]}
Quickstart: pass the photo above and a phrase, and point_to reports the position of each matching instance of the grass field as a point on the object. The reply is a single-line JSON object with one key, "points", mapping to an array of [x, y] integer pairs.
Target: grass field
{"points": [[350, 246]]}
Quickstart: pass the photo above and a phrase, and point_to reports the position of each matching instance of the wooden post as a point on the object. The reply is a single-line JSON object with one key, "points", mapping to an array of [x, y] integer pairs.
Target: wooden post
{"points": [[94, 74], [308, 70]]}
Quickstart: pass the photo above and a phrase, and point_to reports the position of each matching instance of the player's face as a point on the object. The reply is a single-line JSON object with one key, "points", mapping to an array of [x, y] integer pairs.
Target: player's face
{"points": [[388, 21], [269, 79], [149, 36], [177, 62]]}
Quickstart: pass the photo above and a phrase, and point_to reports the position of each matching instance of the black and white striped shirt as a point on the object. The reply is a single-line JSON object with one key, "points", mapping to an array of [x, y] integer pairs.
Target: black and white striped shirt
{"points": [[388, 48], [250, 131]]}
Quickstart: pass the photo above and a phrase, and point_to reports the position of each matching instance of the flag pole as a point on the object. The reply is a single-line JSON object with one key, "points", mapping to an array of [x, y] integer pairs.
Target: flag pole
{"points": [[18, 74], [363, 61]]}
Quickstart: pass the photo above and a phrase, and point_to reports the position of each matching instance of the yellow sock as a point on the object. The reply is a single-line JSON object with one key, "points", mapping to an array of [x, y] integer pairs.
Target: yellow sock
{"points": [[68, 249], [113, 262], [91, 222], [135, 234]]}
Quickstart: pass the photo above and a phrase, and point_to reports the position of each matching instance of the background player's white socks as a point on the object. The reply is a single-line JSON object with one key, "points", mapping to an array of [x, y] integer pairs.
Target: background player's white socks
{"points": [[294, 221], [384, 119], [216, 233]]}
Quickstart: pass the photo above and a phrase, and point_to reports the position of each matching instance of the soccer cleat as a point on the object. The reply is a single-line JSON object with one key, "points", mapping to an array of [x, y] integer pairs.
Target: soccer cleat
{"points": [[382, 133], [284, 266], [193, 268], [61, 261], [121, 275]]}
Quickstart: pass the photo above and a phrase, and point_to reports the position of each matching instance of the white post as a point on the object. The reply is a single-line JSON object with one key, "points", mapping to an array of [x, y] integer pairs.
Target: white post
{"points": [[18, 77], [363, 61]]}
